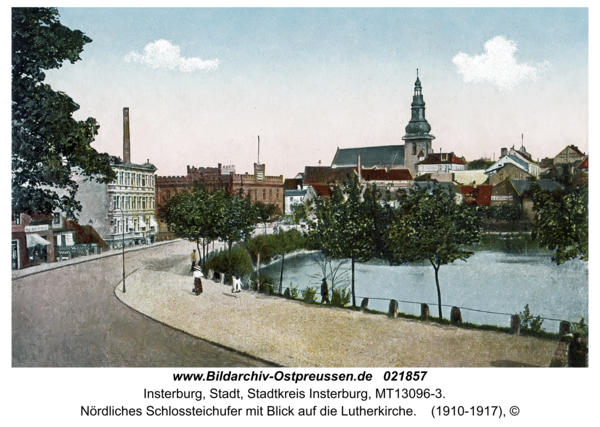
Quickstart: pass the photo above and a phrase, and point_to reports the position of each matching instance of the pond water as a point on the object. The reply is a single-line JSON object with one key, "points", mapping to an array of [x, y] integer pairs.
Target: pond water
{"points": [[500, 281]]}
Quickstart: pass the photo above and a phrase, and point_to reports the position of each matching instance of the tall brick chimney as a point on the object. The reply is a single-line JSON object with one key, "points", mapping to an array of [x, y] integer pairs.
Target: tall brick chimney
{"points": [[126, 141]]}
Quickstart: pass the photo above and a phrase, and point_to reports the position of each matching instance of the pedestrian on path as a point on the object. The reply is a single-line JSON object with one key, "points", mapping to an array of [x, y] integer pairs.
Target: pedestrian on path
{"points": [[194, 259], [324, 292], [197, 280], [237, 285]]}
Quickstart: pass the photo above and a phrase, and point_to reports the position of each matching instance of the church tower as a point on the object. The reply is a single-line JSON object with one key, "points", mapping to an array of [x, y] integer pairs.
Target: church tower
{"points": [[417, 139]]}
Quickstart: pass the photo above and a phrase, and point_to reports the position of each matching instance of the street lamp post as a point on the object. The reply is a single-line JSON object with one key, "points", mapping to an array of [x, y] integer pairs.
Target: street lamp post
{"points": [[123, 244]]}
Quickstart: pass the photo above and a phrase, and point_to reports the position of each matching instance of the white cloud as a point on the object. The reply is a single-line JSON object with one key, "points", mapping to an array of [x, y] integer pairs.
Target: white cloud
{"points": [[497, 65], [163, 54]]}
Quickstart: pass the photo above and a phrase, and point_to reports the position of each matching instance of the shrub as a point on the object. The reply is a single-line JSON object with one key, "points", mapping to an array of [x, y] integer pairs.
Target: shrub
{"points": [[530, 323], [238, 265], [309, 295], [293, 291], [581, 327], [340, 297]]}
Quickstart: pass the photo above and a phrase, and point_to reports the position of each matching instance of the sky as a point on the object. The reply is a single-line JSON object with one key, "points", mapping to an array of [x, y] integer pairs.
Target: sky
{"points": [[202, 84]]}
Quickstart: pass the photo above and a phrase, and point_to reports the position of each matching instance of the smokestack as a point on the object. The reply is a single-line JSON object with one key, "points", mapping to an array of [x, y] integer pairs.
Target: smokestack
{"points": [[126, 141]]}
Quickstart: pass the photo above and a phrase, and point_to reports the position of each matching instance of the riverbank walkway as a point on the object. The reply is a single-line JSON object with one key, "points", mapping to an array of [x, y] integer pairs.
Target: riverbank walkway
{"points": [[292, 333]]}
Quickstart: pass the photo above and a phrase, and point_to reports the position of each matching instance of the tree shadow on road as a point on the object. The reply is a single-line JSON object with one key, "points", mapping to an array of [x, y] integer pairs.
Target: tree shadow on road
{"points": [[511, 364], [176, 264]]}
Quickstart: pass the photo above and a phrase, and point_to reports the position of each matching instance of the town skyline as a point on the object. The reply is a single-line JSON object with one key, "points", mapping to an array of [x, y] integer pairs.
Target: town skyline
{"points": [[309, 81]]}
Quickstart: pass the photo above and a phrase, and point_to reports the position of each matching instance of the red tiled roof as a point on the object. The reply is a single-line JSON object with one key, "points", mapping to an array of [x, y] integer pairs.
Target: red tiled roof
{"points": [[322, 190], [386, 175], [436, 159], [326, 175], [584, 163], [477, 195], [576, 150]]}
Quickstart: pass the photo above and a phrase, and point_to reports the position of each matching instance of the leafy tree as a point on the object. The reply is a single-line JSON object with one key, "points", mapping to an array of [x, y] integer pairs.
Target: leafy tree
{"points": [[346, 224], [561, 224], [265, 211], [48, 145], [298, 213], [237, 217], [430, 226]]}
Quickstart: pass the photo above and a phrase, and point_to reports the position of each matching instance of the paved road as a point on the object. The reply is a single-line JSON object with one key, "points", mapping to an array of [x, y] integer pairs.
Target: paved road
{"points": [[70, 317]]}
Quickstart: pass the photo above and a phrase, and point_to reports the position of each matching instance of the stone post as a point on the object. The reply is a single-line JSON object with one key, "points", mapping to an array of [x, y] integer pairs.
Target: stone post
{"points": [[564, 328], [455, 315], [424, 311], [287, 293], [515, 324], [222, 278], [364, 305], [211, 274], [393, 312]]}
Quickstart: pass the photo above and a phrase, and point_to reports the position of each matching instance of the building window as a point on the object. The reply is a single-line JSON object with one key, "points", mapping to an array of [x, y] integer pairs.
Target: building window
{"points": [[120, 178], [17, 219], [143, 180], [264, 194], [56, 218], [270, 194], [414, 149], [143, 203]]}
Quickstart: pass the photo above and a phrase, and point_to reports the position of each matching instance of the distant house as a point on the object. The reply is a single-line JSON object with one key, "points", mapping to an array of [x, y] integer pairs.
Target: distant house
{"points": [[581, 173], [441, 163], [516, 159], [470, 177], [32, 238], [72, 239], [293, 198], [509, 170], [518, 191], [566, 162], [325, 175], [387, 181], [480, 195]]}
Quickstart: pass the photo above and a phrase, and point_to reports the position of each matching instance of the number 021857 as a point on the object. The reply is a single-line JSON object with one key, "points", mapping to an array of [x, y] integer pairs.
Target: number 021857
{"points": [[404, 375]]}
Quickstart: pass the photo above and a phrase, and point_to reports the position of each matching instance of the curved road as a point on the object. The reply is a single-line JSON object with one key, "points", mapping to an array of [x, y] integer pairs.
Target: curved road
{"points": [[70, 317]]}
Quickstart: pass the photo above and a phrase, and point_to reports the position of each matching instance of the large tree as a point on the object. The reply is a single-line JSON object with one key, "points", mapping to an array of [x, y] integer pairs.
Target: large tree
{"points": [[431, 226], [193, 215], [347, 224], [561, 223], [47, 143]]}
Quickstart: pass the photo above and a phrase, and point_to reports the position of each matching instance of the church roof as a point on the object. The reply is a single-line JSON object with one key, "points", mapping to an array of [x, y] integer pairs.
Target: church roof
{"points": [[382, 156]]}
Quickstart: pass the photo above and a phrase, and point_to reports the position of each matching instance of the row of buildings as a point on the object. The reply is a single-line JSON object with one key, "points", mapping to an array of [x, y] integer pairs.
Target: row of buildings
{"points": [[125, 211]]}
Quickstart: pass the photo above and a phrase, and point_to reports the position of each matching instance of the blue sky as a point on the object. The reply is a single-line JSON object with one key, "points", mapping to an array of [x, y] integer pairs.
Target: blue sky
{"points": [[311, 80]]}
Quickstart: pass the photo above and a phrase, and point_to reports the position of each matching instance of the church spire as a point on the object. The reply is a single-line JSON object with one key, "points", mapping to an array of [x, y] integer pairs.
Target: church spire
{"points": [[418, 126]]}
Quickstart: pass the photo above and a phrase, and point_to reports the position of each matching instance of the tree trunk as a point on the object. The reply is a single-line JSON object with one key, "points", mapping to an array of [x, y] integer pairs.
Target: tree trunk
{"points": [[258, 271], [436, 267], [353, 292], [281, 276]]}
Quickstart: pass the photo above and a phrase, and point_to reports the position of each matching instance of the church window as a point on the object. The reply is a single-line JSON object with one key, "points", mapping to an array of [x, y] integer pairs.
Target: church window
{"points": [[414, 149]]}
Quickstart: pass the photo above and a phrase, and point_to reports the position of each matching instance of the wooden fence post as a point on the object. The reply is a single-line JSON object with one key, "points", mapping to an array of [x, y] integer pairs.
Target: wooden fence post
{"points": [[393, 312], [515, 324], [564, 328], [455, 315]]}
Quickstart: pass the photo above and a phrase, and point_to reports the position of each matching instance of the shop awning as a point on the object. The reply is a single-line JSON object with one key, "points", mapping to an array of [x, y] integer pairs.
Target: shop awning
{"points": [[142, 222], [153, 223], [35, 239]]}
